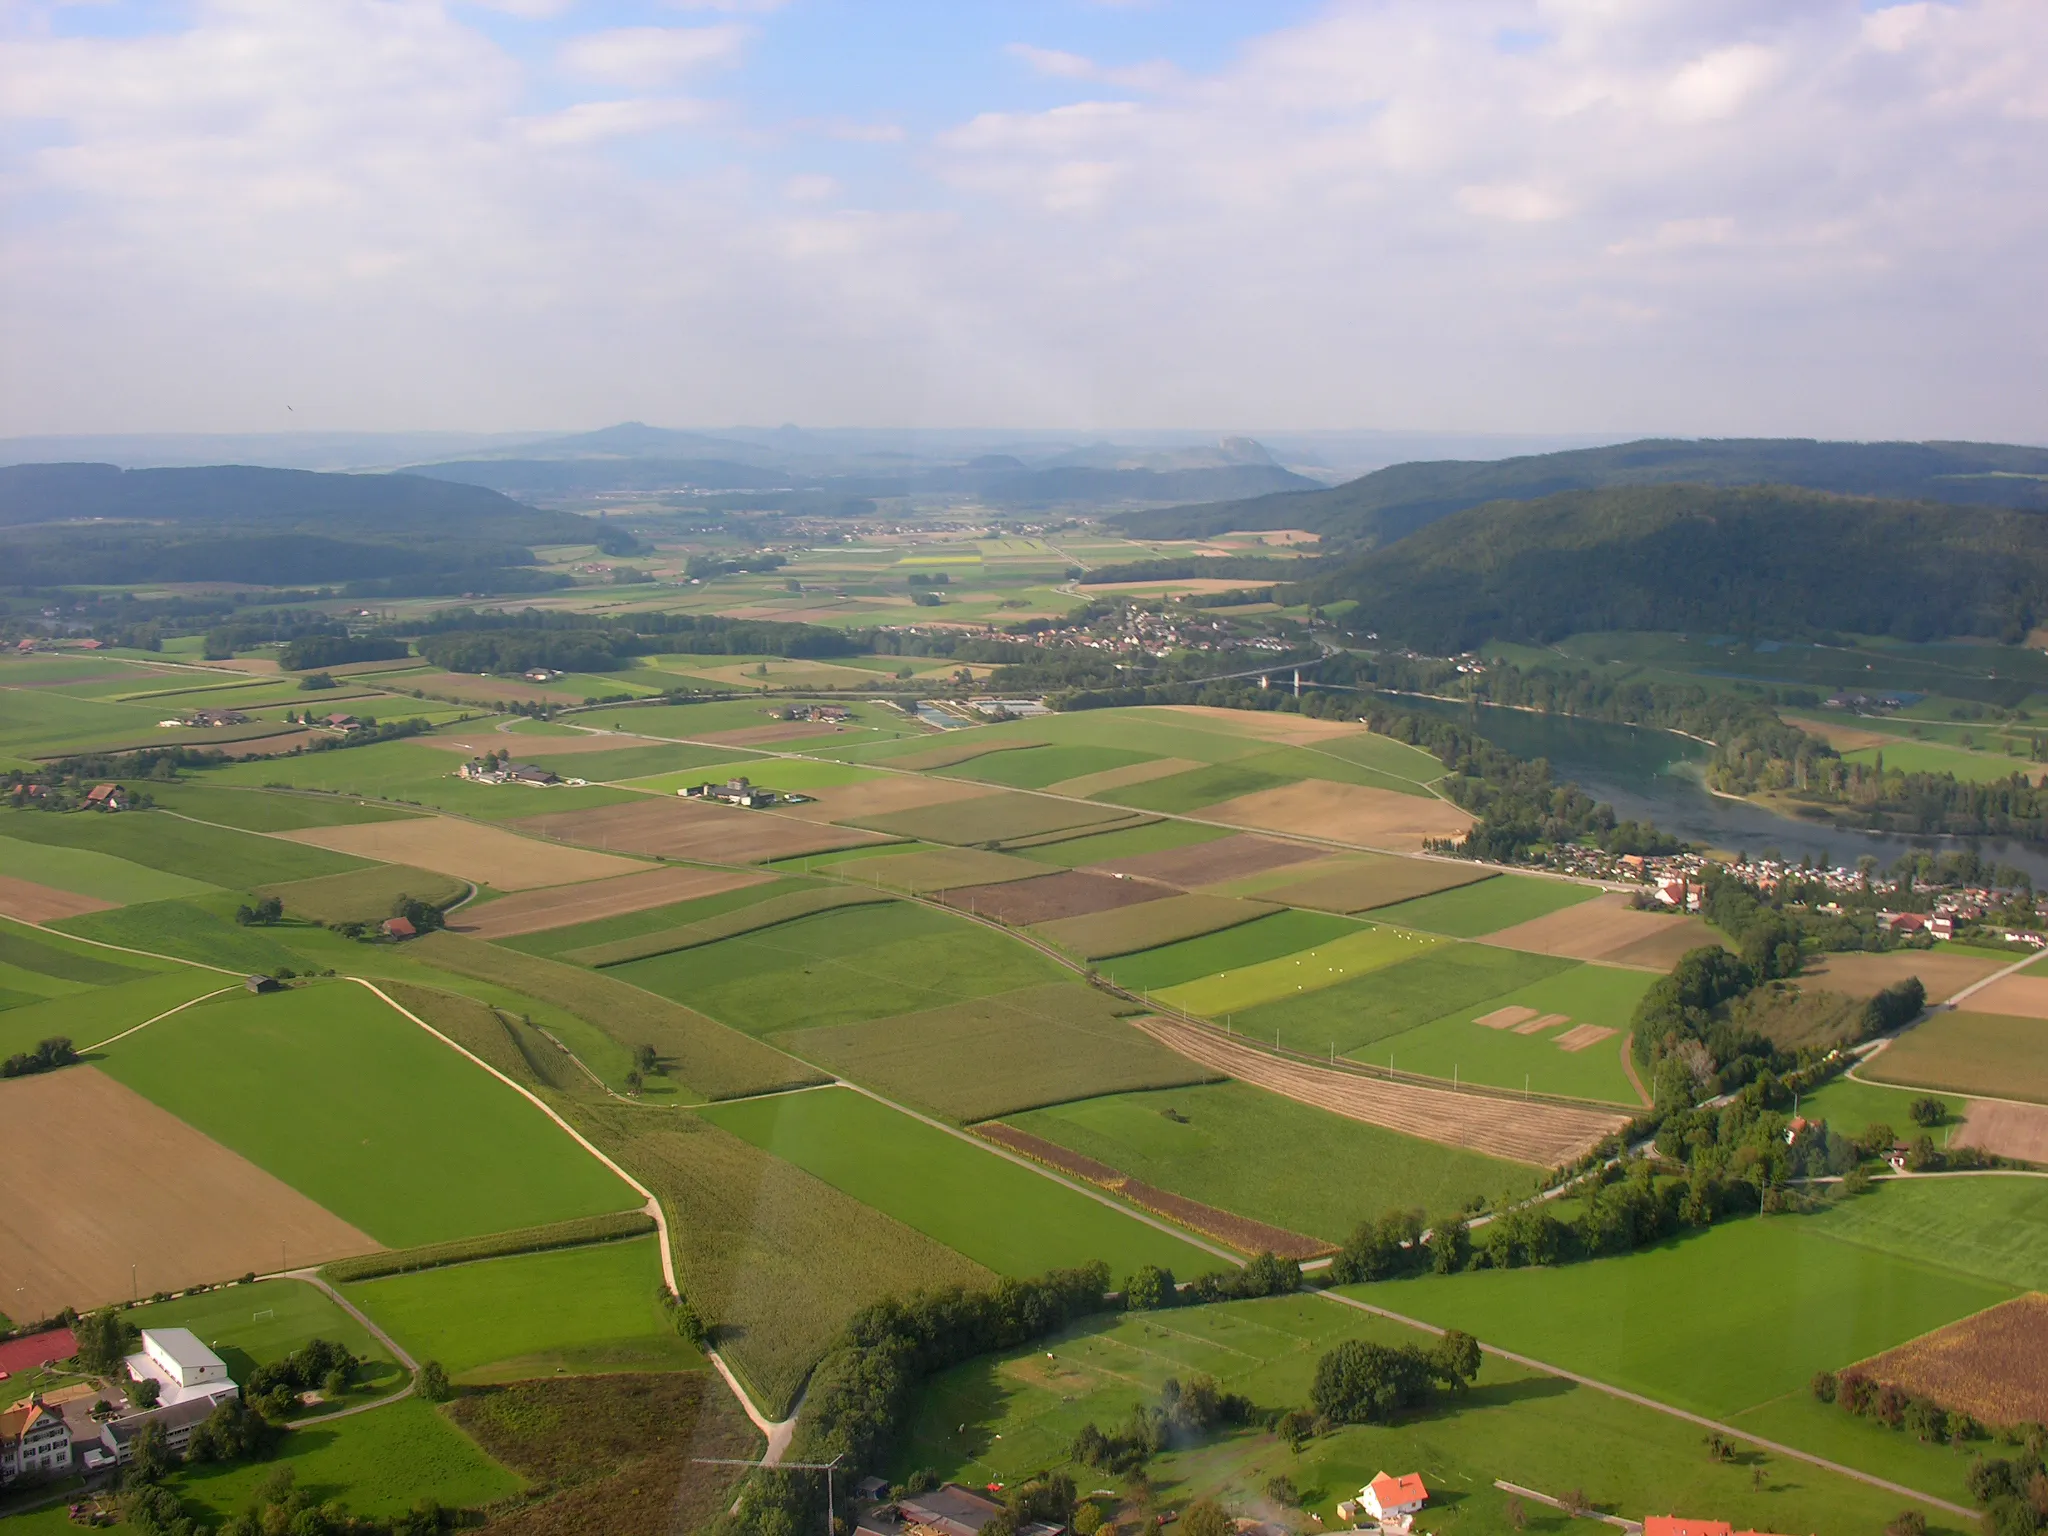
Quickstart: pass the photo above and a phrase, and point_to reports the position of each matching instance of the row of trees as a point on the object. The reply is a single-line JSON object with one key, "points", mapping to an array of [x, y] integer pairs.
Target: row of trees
{"points": [[46, 1057]]}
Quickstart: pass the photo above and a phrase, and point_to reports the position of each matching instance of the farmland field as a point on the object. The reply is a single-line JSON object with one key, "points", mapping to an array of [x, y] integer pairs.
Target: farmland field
{"points": [[1354, 954], [487, 855], [1196, 788], [626, 925], [709, 930], [1242, 1149], [1993, 1366], [689, 829], [1151, 924], [88, 873], [581, 1310], [992, 818], [1852, 1106], [112, 1009], [1011, 1219], [1370, 881], [1040, 767], [1994, 1054], [1360, 815], [1488, 906], [993, 1055], [842, 967], [939, 869], [1607, 929], [593, 901], [217, 856], [363, 895], [1228, 856], [251, 1325], [203, 931], [261, 810], [1993, 1227], [1005, 1418], [1046, 898], [365, 1113], [1130, 842], [1286, 932]]}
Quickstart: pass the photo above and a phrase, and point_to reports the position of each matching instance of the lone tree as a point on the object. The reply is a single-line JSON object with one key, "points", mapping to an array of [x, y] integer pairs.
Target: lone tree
{"points": [[434, 1385]]}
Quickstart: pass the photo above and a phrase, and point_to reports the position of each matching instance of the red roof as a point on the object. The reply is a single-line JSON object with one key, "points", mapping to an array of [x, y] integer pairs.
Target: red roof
{"points": [[1393, 1492], [1672, 1525], [26, 1354], [400, 927]]}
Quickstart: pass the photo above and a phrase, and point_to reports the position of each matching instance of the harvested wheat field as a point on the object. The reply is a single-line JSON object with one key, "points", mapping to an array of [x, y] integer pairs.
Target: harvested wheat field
{"points": [[1345, 813], [139, 1186], [2022, 996], [488, 855], [1167, 920], [781, 730], [524, 746], [1227, 858], [1943, 974], [882, 797], [1267, 725], [1240, 1232], [1121, 778], [1359, 887], [1544, 1134], [940, 869], [27, 902], [558, 906], [1000, 817], [1993, 1366], [675, 828], [2005, 1128], [1609, 930], [1070, 893]]}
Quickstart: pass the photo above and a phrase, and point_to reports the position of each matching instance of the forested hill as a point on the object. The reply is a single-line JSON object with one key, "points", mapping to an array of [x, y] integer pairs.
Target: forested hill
{"points": [[1765, 560], [1391, 503], [63, 524]]}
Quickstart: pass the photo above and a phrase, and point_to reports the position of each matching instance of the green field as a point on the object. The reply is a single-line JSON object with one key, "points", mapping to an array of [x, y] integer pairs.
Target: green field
{"points": [[416, 775], [364, 895], [1357, 1014], [1245, 1150], [1196, 788], [1717, 1323], [709, 930], [201, 930], [1455, 1046], [45, 964], [87, 1020], [632, 925], [1925, 757], [218, 856], [99, 875], [641, 764], [994, 1055], [992, 818], [1007, 1417], [1852, 1107], [787, 775], [1354, 954], [1267, 938], [260, 810], [366, 1114], [579, 1310], [1993, 1054], [1486, 907], [252, 1325], [1992, 1226], [1094, 847], [1036, 767], [1015, 1221], [842, 967]]}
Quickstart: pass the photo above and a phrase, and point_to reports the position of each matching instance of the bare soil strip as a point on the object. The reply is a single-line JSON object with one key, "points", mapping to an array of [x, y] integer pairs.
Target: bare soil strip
{"points": [[1862, 975], [1267, 725], [1122, 778], [1345, 813], [1149, 924], [140, 1186], [1536, 1026], [1607, 928], [1993, 1366], [1070, 893], [27, 902], [1505, 1018], [558, 906], [785, 730], [2024, 997], [1228, 858], [1582, 1036], [1547, 1135], [488, 855], [1240, 1232], [672, 827], [2009, 1130]]}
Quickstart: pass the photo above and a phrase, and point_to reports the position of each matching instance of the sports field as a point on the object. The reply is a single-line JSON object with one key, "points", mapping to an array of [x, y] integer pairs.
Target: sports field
{"points": [[842, 967], [1354, 954], [1242, 1149], [251, 1325], [1995, 1054], [997, 1054], [1286, 932], [1006, 1418], [1719, 1322], [1487, 906], [1010, 1218], [581, 1311], [366, 1114]]}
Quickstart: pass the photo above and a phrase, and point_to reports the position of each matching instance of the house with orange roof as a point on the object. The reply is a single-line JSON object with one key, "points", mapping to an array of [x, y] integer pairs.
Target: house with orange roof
{"points": [[34, 1439], [1394, 1501], [1675, 1525]]}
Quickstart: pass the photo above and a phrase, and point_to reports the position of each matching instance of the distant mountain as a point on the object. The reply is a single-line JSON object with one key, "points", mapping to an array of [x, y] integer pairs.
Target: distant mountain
{"points": [[595, 476], [637, 440], [1391, 503], [63, 524], [1742, 560]]}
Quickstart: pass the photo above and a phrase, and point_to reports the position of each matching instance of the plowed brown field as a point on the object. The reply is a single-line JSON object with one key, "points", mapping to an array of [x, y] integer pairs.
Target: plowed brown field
{"points": [[1993, 1366], [27, 902], [1070, 893], [1943, 973], [2009, 1130], [1345, 813], [1544, 1134], [785, 730], [1227, 858], [139, 1186], [1267, 725], [558, 906], [1608, 929], [1380, 883], [489, 855], [2024, 996], [676, 828]]}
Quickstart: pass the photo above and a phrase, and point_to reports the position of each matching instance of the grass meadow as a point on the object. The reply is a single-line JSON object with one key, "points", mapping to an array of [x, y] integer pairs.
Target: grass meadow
{"points": [[1993, 1054], [1987, 1225], [632, 925], [89, 873], [1198, 787], [1009, 1218], [1284, 933], [1037, 767], [363, 895], [218, 856], [366, 1114], [262, 810], [583, 1311], [1004, 1418], [842, 967], [1852, 1106], [88, 1018], [1365, 950], [787, 775], [201, 930], [1094, 847], [1487, 906], [1245, 1150]]}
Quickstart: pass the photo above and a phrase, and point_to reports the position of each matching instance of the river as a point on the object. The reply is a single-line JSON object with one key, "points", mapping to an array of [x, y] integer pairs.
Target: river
{"points": [[1652, 775]]}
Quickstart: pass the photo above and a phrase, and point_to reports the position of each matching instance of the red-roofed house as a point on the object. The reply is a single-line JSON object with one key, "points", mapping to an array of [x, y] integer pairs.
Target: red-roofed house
{"points": [[1674, 1525], [1387, 1498], [399, 928], [107, 797], [33, 1438]]}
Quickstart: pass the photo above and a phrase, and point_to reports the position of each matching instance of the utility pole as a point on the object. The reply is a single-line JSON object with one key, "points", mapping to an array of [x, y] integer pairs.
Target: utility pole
{"points": [[825, 1467]]}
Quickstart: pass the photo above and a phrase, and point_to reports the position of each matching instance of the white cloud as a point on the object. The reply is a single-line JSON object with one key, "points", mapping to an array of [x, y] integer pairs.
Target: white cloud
{"points": [[592, 122], [1059, 65], [641, 57], [810, 188]]}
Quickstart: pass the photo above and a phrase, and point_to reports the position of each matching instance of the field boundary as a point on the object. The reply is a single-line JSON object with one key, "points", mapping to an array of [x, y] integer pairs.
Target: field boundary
{"points": [[132, 1029], [578, 1232]]}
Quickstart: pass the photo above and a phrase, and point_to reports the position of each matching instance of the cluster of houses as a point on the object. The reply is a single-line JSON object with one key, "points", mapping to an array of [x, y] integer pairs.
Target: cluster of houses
{"points": [[212, 718], [32, 644], [820, 714], [93, 1429], [1387, 1504], [1675, 1525], [740, 791], [495, 770]]}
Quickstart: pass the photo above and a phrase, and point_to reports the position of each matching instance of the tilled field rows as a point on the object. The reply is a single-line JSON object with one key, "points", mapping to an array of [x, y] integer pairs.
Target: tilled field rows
{"points": [[1544, 1134]]}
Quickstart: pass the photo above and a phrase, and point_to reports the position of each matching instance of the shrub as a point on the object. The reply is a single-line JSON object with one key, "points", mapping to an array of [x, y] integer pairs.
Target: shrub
{"points": [[1205, 1517], [1150, 1289], [1824, 1386]]}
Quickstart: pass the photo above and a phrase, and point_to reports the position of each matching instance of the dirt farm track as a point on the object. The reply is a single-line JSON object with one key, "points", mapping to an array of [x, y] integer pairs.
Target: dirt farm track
{"points": [[139, 1184], [1544, 1134]]}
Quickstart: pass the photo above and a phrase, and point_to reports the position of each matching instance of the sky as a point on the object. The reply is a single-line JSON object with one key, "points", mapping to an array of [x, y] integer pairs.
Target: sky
{"points": [[1698, 217]]}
